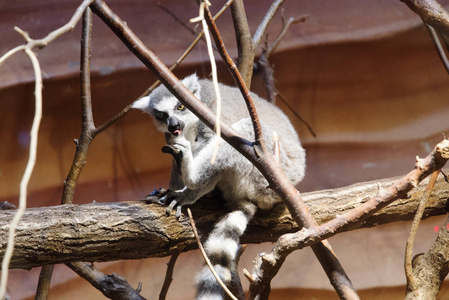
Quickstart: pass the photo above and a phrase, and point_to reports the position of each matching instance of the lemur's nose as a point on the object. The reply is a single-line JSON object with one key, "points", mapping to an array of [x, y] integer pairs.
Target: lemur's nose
{"points": [[175, 126]]}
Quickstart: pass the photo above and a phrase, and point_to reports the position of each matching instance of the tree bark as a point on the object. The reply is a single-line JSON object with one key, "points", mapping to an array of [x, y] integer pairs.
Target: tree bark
{"points": [[134, 229]]}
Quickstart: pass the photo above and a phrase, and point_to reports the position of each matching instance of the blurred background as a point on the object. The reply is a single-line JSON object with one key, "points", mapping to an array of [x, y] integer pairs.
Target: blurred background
{"points": [[364, 74]]}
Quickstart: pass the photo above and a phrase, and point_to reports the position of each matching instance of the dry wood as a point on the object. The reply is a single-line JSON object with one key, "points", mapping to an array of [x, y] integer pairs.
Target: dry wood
{"points": [[133, 230]]}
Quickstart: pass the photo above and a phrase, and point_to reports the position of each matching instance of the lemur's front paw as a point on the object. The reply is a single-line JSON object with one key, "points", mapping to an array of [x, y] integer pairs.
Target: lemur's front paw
{"points": [[179, 147], [167, 198], [178, 143], [177, 154], [175, 199]]}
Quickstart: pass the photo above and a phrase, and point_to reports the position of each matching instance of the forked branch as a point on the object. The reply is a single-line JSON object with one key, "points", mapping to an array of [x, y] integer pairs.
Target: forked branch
{"points": [[267, 265]]}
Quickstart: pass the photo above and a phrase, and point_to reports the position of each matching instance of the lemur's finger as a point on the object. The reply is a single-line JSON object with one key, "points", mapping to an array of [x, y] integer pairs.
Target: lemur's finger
{"points": [[170, 207], [178, 212]]}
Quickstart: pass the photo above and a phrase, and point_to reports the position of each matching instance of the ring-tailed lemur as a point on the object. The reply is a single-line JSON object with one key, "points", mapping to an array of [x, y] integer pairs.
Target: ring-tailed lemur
{"points": [[242, 186]]}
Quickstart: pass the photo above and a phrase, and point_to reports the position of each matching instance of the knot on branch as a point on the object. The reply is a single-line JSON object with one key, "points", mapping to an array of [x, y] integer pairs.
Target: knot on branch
{"points": [[443, 149], [420, 163], [441, 154]]}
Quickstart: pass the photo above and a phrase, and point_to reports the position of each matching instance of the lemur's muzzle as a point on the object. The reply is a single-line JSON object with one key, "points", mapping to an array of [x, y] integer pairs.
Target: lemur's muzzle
{"points": [[175, 126]]}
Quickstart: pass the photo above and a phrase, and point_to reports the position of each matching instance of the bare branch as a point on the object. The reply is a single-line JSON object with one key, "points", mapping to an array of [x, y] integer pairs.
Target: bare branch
{"points": [[52, 35], [82, 144], [266, 266], [43, 287], [175, 17], [297, 115], [284, 31], [430, 269], [263, 63], [411, 279], [134, 229], [88, 127], [245, 45], [112, 286], [28, 169], [438, 47], [214, 75], [188, 50], [238, 80], [279, 182], [168, 275], [431, 12], [260, 32]]}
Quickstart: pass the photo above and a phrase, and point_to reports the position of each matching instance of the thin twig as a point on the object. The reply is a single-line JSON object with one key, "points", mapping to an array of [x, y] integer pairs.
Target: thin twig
{"points": [[175, 17], [169, 275], [263, 63], [279, 94], [238, 79], [112, 286], [52, 35], [438, 46], [187, 51], [411, 279], [214, 75], [283, 32], [28, 170], [260, 32], [203, 252]]}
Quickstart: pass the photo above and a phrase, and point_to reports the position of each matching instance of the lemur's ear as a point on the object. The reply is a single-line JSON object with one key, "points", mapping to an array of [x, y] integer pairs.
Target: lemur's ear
{"points": [[192, 83], [142, 103]]}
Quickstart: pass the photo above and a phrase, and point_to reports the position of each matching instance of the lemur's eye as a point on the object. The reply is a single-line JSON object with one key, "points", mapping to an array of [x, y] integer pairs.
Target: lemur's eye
{"points": [[160, 115], [181, 107]]}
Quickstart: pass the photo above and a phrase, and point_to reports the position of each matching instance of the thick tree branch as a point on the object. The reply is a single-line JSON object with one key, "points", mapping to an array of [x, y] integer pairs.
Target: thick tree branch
{"points": [[431, 12], [133, 230]]}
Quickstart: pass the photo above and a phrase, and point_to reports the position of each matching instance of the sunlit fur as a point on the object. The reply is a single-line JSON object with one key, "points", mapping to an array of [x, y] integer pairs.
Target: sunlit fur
{"points": [[241, 185]]}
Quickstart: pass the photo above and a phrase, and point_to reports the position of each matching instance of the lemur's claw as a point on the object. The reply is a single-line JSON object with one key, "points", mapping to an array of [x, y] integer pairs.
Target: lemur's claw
{"points": [[171, 207]]}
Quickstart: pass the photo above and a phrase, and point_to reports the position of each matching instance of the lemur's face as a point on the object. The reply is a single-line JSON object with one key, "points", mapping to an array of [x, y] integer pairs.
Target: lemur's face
{"points": [[170, 115]]}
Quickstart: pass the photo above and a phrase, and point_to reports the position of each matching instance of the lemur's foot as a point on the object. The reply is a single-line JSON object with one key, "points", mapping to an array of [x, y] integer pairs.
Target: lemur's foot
{"points": [[155, 196]]}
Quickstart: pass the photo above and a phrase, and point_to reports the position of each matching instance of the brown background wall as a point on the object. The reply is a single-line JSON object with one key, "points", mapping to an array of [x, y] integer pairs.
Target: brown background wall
{"points": [[364, 74]]}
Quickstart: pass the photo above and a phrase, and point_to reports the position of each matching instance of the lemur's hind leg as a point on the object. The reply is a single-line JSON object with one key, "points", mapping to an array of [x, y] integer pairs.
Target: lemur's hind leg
{"points": [[222, 248]]}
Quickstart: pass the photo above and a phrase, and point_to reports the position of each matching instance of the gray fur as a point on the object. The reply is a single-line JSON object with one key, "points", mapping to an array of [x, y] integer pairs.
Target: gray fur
{"points": [[243, 187]]}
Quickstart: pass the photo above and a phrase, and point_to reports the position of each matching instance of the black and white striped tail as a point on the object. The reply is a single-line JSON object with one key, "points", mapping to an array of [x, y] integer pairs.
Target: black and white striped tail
{"points": [[222, 247]]}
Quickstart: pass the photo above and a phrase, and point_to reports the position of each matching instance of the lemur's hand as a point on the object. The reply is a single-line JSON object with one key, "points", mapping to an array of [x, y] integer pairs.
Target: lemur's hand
{"points": [[176, 199], [178, 146]]}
